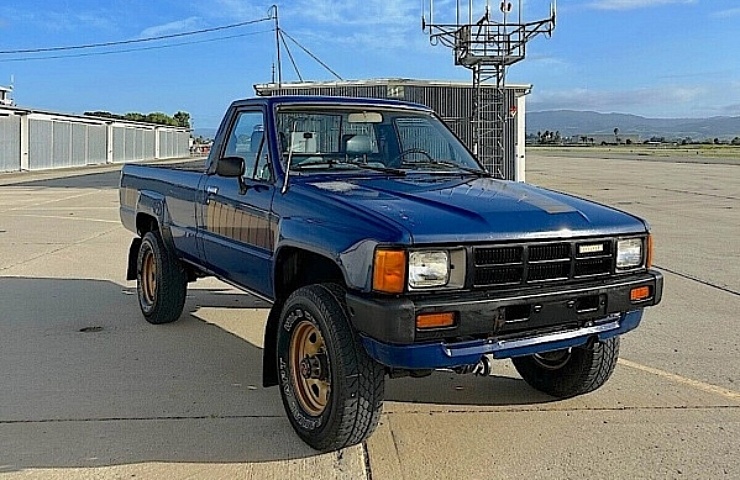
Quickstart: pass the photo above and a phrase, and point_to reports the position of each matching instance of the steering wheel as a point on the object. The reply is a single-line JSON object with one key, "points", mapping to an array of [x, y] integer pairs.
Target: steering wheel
{"points": [[409, 151]]}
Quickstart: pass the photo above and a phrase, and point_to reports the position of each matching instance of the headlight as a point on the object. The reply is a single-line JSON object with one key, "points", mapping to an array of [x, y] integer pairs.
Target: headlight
{"points": [[629, 253], [428, 269]]}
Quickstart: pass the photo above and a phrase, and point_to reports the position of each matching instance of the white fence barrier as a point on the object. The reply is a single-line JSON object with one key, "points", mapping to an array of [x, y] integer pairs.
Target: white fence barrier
{"points": [[32, 140]]}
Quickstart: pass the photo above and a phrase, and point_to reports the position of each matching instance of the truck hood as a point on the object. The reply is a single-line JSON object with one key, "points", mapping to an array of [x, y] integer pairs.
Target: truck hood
{"points": [[444, 209]]}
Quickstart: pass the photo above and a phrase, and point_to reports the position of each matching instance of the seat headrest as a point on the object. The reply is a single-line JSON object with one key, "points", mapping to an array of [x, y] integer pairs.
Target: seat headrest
{"points": [[359, 144]]}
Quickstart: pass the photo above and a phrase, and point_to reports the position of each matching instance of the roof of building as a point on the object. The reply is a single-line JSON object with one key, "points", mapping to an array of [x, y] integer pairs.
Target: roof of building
{"points": [[381, 81], [60, 116]]}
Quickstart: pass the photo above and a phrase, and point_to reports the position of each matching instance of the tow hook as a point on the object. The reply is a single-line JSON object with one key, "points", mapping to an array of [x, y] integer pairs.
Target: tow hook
{"points": [[482, 369]]}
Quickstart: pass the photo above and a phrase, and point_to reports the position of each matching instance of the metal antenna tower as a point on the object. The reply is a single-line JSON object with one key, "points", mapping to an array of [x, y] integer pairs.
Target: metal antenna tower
{"points": [[487, 47]]}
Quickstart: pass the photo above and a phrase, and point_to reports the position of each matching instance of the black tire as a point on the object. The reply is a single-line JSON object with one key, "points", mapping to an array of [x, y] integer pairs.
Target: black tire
{"points": [[331, 389], [568, 373], [161, 282]]}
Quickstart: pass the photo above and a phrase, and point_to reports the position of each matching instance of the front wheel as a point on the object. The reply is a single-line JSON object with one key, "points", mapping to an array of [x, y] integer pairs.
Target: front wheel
{"points": [[331, 389], [571, 372]]}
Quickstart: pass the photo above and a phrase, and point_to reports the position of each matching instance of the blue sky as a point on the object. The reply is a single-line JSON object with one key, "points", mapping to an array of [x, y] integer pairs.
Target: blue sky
{"points": [[657, 58]]}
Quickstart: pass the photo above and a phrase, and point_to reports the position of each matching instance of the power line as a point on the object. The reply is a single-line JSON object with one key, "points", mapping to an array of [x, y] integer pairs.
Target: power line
{"points": [[139, 49], [137, 40], [283, 32], [290, 55]]}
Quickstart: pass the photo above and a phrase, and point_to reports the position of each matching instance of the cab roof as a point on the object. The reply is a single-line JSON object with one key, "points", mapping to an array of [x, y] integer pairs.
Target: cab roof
{"points": [[272, 101]]}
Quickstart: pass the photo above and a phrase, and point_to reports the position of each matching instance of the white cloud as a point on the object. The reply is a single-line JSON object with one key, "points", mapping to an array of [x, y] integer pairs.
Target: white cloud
{"points": [[170, 27], [56, 21], [635, 4], [237, 10], [357, 14], [728, 13]]}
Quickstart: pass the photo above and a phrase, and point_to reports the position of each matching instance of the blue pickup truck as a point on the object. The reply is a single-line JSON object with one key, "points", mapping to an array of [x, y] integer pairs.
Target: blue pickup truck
{"points": [[385, 249]]}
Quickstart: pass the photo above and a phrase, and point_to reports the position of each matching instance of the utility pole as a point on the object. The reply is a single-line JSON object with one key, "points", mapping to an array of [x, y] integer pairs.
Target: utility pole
{"points": [[487, 47], [273, 13]]}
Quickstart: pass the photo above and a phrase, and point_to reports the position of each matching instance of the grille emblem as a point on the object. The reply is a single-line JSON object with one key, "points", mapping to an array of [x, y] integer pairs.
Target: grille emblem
{"points": [[584, 249]]}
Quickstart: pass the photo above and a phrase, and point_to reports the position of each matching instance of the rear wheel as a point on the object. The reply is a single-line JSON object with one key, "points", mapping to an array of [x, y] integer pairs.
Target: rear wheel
{"points": [[331, 389], [570, 372], [161, 282]]}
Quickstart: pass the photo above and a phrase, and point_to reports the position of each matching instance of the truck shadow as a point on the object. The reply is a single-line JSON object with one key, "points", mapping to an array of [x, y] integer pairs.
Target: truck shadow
{"points": [[99, 180], [86, 382]]}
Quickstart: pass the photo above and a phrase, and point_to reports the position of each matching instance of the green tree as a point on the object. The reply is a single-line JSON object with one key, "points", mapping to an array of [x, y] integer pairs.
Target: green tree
{"points": [[182, 119], [135, 117], [160, 119]]}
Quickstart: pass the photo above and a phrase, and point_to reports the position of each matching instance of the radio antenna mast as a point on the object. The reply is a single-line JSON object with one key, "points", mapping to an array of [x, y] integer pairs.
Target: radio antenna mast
{"points": [[487, 47]]}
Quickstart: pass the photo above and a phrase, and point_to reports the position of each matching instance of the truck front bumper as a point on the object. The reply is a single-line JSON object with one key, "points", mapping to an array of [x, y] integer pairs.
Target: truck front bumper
{"points": [[503, 324], [448, 355]]}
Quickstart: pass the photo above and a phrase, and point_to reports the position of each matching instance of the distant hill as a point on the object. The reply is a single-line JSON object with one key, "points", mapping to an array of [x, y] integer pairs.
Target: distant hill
{"points": [[572, 122]]}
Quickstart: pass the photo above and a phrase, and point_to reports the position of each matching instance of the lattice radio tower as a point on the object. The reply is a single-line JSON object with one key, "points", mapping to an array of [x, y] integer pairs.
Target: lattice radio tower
{"points": [[487, 47]]}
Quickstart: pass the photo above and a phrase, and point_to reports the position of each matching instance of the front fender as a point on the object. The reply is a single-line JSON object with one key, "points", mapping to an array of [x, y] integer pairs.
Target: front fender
{"points": [[352, 251], [306, 234]]}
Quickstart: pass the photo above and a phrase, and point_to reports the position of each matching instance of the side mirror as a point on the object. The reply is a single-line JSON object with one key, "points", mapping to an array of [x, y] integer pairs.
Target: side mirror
{"points": [[230, 167]]}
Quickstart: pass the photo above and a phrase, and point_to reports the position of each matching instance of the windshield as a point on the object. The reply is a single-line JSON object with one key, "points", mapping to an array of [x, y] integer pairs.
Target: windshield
{"points": [[321, 139]]}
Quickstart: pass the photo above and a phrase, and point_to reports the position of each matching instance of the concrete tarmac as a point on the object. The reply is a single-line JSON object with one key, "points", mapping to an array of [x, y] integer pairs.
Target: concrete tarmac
{"points": [[88, 389]]}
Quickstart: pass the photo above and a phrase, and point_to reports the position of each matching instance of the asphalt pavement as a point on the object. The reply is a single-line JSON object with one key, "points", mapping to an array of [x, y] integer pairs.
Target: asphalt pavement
{"points": [[88, 389]]}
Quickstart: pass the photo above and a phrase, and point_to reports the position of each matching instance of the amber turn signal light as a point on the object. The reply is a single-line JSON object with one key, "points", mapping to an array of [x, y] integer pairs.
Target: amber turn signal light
{"points": [[639, 294], [649, 253], [435, 320], [389, 271]]}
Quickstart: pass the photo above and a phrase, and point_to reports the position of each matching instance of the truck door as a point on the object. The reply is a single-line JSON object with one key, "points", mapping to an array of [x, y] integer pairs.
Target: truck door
{"points": [[238, 228]]}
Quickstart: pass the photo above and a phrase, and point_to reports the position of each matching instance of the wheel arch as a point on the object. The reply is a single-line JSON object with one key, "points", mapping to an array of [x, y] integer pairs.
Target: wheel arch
{"points": [[295, 267]]}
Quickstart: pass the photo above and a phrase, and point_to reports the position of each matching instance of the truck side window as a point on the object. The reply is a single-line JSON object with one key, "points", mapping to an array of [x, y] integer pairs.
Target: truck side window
{"points": [[245, 140]]}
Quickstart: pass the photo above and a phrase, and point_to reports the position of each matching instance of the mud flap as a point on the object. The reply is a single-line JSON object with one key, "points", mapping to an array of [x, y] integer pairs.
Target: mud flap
{"points": [[269, 353], [133, 253]]}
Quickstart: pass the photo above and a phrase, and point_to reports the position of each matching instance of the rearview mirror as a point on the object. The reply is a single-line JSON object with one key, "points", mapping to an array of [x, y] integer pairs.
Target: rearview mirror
{"points": [[365, 117], [230, 167]]}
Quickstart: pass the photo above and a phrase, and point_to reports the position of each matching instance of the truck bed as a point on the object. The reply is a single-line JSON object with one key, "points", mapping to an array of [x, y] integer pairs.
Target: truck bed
{"points": [[195, 165]]}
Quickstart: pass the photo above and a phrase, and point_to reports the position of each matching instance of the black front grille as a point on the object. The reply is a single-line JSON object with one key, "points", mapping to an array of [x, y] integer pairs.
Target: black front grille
{"points": [[498, 256], [539, 272], [553, 251], [540, 262], [593, 266]]}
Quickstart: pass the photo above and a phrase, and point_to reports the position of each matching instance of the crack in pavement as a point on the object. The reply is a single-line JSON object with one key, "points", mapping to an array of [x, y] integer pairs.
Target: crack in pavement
{"points": [[699, 280], [138, 419], [47, 202], [158, 418], [56, 250], [366, 459], [626, 408]]}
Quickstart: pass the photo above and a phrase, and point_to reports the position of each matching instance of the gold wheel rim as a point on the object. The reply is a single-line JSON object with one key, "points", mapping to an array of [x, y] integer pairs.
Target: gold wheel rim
{"points": [[149, 278], [313, 387]]}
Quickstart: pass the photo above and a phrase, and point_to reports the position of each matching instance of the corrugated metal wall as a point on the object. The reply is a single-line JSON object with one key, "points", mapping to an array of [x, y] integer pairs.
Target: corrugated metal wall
{"points": [[40, 144], [59, 142], [132, 144], [173, 144], [454, 103], [97, 144], [10, 145]]}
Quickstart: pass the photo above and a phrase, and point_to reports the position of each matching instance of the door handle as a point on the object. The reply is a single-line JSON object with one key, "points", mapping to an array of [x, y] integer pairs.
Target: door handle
{"points": [[212, 190]]}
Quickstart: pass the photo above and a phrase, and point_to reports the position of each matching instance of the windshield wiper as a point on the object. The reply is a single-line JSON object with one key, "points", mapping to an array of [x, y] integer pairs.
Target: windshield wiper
{"points": [[365, 166], [332, 163], [447, 163], [329, 162]]}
